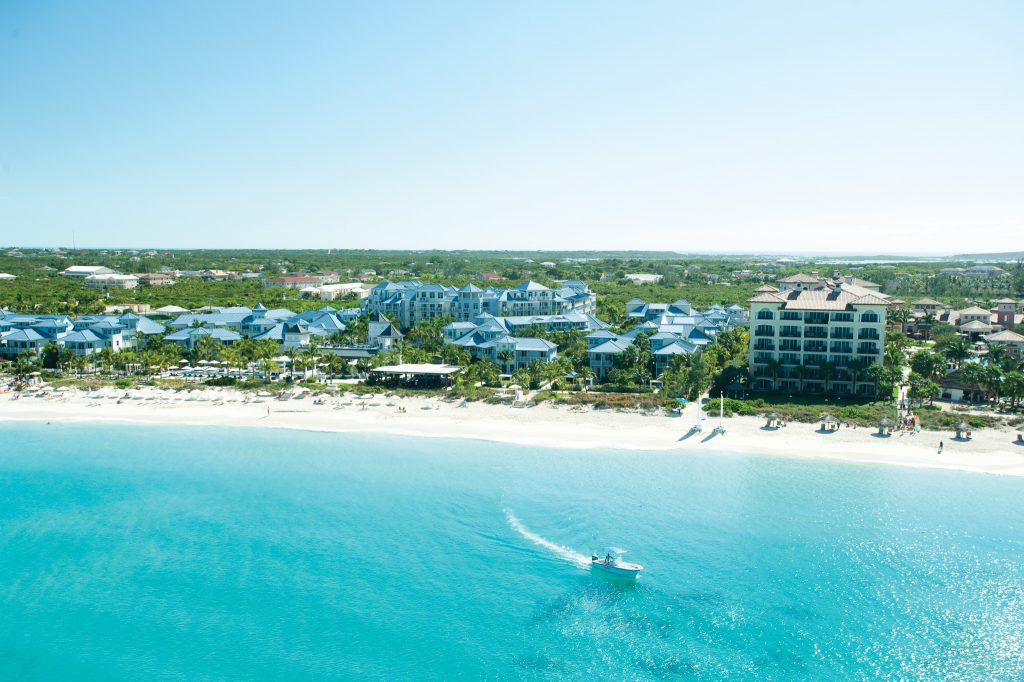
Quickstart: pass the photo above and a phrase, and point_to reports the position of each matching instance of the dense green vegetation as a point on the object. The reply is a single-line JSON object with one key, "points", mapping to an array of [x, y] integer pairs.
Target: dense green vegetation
{"points": [[702, 280]]}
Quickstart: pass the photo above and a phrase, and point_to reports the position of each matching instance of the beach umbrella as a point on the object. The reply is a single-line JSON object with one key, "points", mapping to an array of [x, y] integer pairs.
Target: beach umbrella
{"points": [[885, 421]]}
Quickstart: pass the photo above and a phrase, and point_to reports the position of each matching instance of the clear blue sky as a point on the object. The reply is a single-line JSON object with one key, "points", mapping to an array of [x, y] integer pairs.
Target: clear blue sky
{"points": [[782, 126]]}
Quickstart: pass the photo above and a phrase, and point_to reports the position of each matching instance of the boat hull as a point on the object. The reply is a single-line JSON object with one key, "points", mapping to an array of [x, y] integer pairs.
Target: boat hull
{"points": [[620, 569]]}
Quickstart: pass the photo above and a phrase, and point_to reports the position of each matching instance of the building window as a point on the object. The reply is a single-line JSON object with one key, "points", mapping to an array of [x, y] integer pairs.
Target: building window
{"points": [[870, 316]]}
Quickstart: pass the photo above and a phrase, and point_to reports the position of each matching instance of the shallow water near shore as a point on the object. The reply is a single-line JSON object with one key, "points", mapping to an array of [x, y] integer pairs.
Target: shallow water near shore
{"points": [[145, 552]]}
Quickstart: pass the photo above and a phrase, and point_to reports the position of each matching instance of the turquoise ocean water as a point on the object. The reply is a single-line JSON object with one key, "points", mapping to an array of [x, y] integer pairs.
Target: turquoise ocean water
{"points": [[146, 553]]}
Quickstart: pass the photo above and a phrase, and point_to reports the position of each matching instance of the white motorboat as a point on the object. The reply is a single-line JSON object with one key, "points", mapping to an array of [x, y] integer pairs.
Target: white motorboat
{"points": [[612, 563]]}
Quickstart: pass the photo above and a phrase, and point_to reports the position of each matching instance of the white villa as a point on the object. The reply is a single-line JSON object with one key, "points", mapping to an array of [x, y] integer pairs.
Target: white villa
{"points": [[111, 280], [83, 271]]}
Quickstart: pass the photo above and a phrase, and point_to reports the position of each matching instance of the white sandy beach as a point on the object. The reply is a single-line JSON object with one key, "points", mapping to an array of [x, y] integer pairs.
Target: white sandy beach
{"points": [[990, 451]]}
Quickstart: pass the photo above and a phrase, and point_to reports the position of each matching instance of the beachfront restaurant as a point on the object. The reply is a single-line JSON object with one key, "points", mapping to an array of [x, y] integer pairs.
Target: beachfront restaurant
{"points": [[416, 375]]}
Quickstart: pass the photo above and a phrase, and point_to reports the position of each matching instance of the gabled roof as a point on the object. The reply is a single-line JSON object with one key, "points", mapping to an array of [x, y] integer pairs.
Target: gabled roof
{"points": [[677, 348], [84, 336], [614, 346], [800, 278], [1005, 336], [869, 300], [23, 335], [974, 310], [530, 343], [767, 297]]}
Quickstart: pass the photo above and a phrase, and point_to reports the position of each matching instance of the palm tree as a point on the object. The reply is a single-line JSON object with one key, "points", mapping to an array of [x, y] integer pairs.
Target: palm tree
{"points": [[774, 369], [506, 357], [973, 375], [1013, 387], [997, 354], [993, 381], [857, 368], [928, 320], [827, 371], [900, 317], [802, 373], [957, 350]]}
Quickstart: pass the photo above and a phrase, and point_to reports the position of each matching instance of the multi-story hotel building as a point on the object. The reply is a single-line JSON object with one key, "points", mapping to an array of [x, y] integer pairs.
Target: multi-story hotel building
{"points": [[811, 331]]}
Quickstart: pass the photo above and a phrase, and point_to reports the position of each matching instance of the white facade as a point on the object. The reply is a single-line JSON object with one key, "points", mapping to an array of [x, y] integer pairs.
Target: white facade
{"points": [[112, 281], [805, 329]]}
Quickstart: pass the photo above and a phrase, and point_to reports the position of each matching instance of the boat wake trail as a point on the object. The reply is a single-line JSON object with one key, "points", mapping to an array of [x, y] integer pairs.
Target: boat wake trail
{"points": [[560, 551]]}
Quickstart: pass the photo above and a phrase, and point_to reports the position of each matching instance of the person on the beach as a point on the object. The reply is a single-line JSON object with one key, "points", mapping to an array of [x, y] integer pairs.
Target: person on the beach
{"points": [[940, 447]]}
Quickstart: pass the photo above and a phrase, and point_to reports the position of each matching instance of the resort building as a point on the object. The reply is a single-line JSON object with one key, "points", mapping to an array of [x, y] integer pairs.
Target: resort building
{"points": [[294, 282], [112, 280], [115, 332], [1011, 340], [816, 332], [261, 323], [643, 277], [83, 271], [14, 342], [407, 303], [973, 322], [490, 338], [189, 337], [331, 292], [7, 277], [673, 329], [155, 279]]}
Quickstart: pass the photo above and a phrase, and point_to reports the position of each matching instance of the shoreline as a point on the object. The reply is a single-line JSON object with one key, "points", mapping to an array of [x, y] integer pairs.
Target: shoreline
{"points": [[991, 451]]}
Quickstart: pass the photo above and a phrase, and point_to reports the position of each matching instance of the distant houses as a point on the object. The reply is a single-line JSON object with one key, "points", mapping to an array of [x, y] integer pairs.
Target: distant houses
{"points": [[410, 302], [643, 278], [974, 322], [156, 279]]}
